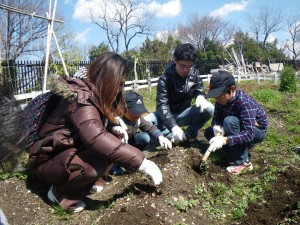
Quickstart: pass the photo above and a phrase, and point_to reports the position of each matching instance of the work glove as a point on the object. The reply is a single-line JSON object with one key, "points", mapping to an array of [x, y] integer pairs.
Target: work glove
{"points": [[218, 130], [202, 103], [164, 142], [122, 132], [178, 134], [150, 168], [216, 143]]}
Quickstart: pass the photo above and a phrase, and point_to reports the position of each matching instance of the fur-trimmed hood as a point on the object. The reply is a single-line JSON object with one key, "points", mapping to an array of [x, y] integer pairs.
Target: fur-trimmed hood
{"points": [[55, 84], [71, 89]]}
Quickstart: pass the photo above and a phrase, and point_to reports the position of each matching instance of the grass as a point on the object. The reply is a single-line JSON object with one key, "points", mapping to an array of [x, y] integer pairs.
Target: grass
{"points": [[223, 202], [233, 201]]}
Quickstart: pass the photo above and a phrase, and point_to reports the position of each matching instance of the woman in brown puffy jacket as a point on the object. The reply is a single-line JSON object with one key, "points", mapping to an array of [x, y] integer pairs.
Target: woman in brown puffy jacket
{"points": [[76, 149]]}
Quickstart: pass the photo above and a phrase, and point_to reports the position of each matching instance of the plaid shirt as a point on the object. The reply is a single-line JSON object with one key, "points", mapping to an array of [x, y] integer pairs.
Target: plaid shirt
{"points": [[249, 113]]}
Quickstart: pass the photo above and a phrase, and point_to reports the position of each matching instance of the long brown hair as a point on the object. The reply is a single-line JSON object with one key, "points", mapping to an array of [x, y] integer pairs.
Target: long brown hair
{"points": [[108, 74]]}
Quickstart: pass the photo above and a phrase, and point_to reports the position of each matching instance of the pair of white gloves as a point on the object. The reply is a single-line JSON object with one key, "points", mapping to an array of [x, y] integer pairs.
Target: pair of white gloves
{"points": [[218, 140], [122, 131]]}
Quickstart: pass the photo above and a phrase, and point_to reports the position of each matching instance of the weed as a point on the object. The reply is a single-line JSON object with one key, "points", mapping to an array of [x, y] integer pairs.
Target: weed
{"points": [[289, 192], [184, 205], [60, 212], [219, 188], [265, 95], [199, 190], [20, 175]]}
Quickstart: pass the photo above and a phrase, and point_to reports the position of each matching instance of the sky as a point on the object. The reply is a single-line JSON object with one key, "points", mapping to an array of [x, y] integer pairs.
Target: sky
{"points": [[168, 13]]}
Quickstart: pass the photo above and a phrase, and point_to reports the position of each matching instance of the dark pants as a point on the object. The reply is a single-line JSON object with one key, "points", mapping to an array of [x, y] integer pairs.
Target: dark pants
{"points": [[237, 153], [83, 171]]}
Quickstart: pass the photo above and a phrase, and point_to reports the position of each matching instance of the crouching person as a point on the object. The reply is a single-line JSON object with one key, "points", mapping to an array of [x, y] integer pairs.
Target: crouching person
{"points": [[240, 120], [75, 150], [137, 129]]}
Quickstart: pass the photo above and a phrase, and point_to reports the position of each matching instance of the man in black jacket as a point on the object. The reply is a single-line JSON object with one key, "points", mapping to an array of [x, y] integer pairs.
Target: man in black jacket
{"points": [[175, 90]]}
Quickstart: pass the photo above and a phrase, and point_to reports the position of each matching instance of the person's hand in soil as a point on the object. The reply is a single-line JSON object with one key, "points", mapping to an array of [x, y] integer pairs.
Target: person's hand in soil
{"points": [[150, 168], [164, 142]]}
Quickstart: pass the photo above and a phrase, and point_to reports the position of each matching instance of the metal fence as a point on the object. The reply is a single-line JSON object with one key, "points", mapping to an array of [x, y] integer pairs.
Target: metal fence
{"points": [[22, 77], [25, 78]]}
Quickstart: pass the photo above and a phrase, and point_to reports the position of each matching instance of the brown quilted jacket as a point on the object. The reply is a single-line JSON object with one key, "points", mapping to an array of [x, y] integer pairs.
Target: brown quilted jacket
{"points": [[78, 124]]}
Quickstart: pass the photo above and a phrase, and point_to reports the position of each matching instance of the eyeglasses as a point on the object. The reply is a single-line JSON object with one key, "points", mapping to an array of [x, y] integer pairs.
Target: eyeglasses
{"points": [[187, 67]]}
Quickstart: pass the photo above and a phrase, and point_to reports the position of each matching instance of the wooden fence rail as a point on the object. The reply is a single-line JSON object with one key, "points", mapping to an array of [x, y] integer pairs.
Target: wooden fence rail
{"points": [[152, 82]]}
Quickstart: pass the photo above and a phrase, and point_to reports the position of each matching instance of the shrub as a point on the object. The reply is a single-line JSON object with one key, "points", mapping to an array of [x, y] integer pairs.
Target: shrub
{"points": [[288, 82]]}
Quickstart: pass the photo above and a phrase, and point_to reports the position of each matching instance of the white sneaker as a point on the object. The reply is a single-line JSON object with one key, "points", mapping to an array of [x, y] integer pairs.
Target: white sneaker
{"points": [[78, 208], [96, 189]]}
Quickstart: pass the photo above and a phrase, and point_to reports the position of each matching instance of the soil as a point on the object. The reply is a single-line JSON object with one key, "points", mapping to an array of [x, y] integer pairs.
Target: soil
{"points": [[131, 199]]}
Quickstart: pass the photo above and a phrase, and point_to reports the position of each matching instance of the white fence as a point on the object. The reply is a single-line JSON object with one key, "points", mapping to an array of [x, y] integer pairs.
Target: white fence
{"points": [[139, 84]]}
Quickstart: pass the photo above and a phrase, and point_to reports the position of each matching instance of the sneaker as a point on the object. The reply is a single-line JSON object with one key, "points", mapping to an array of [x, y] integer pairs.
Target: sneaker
{"points": [[96, 189], [78, 208], [237, 169]]}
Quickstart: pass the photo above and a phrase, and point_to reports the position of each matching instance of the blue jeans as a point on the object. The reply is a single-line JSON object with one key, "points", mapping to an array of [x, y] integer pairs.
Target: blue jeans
{"points": [[140, 140], [190, 117], [239, 154]]}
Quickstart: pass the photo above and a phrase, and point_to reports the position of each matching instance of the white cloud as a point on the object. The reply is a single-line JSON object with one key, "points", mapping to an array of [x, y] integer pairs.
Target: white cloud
{"points": [[84, 7], [229, 8], [83, 36], [271, 38], [170, 9], [164, 34]]}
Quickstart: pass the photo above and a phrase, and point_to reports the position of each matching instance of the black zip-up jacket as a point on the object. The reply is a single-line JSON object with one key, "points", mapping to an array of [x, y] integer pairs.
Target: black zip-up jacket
{"points": [[175, 93]]}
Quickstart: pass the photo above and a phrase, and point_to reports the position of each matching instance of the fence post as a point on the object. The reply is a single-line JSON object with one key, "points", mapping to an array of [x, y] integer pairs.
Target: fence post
{"points": [[276, 77], [149, 78], [239, 77], [135, 75], [257, 78]]}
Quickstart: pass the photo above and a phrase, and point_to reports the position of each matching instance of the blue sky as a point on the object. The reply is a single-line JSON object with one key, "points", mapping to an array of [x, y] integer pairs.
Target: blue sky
{"points": [[170, 12]]}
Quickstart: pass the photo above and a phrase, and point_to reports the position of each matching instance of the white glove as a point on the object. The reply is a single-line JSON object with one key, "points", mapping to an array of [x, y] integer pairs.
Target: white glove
{"points": [[178, 133], [122, 132], [202, 103], [218, 130], [164, 142], [216, 143], [150, 168]]}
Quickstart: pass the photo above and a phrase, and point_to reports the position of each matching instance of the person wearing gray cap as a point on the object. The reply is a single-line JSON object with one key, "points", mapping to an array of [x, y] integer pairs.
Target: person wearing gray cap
{"points": [[240, 120]]}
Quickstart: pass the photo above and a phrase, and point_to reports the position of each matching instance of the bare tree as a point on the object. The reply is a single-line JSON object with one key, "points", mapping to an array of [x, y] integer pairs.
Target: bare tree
{"points": [[267, 21], [199, 29], [122, 21], [22, 34], [293, 45]]}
